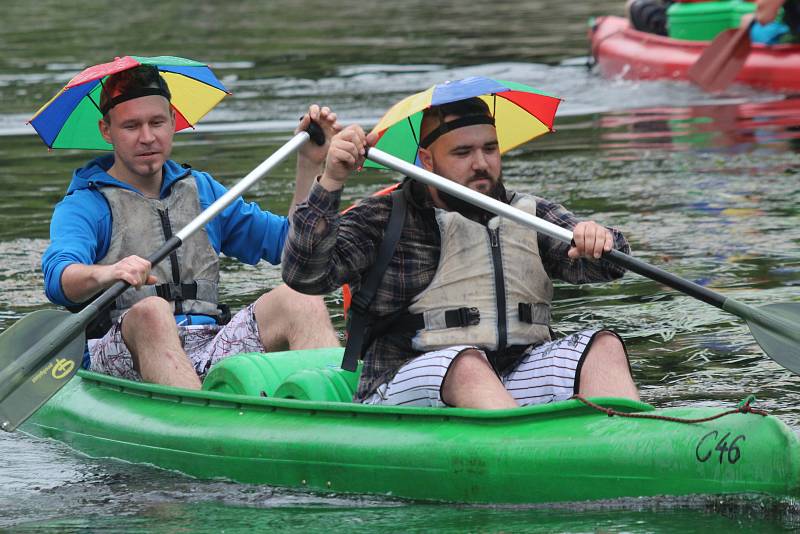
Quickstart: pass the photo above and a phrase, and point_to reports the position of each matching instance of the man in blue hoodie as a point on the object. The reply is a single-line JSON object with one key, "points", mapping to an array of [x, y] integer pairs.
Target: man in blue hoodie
{"points": [[169, 327]]}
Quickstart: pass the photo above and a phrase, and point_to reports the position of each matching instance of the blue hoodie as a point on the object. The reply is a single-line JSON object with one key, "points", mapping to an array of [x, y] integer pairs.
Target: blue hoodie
{"points": [[80, 231]]}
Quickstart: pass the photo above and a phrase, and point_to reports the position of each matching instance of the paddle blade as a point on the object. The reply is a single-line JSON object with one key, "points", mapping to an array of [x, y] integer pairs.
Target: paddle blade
{"points": [[779, 335], [721, 61], [29, 378], [26, 331]]}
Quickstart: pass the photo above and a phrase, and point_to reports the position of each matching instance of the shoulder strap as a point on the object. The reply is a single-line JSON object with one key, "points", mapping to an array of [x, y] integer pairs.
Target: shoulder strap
{"points": [[357, 324]]}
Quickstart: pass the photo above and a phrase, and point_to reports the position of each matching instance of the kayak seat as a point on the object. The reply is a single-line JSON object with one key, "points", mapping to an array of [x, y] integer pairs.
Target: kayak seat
{"points": [[258, 374], [325, 384]]}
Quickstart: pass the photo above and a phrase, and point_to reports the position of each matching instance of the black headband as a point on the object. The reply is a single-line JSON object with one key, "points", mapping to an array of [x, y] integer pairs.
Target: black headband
{"points": [[134, 93], [444, 127]]}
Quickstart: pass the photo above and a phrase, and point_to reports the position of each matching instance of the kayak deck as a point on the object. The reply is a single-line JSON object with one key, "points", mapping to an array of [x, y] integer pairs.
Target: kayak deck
{"points": [[564, 451]]}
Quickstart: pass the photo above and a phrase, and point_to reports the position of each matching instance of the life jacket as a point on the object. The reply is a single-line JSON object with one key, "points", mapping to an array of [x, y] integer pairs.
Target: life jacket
{"points": [[490, 290], [189, 278]]}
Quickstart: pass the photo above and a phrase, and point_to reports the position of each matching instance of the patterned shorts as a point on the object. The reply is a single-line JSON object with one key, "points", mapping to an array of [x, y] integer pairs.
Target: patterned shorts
{"points": [[545, 374], [204, 344]]}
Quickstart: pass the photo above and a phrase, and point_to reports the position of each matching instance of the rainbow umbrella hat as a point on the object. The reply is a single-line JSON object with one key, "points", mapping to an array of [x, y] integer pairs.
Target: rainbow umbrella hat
{"points": [[521, 114], [69, 119]]}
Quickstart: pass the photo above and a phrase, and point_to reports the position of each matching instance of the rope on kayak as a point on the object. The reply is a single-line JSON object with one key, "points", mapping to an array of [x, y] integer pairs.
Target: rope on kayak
{"points": [[743, 407]]}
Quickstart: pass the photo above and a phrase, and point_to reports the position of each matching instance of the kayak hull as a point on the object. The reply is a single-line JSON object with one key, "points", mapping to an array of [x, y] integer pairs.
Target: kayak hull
{"points": [[563, 451], [622, 52]]}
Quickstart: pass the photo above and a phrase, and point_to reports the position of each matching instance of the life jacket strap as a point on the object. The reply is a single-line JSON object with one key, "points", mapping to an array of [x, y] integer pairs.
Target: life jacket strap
{"points": [[171, 291], [532, 313], [357, 321]]}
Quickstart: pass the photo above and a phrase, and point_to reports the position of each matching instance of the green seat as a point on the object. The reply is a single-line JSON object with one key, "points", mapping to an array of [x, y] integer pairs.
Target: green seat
{"points": [[260, 374], [328, 384]]}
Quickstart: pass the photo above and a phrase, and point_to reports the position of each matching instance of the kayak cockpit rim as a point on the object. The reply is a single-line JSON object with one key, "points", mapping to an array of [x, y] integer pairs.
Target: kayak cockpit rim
{"points": [[241, 402]]}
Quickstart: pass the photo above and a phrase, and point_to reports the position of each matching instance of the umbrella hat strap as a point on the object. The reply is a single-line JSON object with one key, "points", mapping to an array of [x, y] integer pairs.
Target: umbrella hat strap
{"points": [[461, 122], [134, 93]]}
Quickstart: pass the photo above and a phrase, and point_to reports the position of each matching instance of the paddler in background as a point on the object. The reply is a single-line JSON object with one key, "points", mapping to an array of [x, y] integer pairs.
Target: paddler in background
{"points": [[769, 27], [648, 15], [651, 16]]}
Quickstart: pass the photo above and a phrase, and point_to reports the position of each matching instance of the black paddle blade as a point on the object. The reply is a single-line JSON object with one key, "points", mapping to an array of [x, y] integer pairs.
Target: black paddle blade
{"points": [[27, 387], [721, 61], [779, 335]]}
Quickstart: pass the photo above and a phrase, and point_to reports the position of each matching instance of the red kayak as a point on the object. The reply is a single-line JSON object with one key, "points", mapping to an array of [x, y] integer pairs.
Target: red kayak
{"points": [[621, 51]]}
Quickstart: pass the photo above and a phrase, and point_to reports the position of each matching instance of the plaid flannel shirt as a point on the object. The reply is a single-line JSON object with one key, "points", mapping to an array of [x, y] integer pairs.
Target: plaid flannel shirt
{"points": [[326, 249]]}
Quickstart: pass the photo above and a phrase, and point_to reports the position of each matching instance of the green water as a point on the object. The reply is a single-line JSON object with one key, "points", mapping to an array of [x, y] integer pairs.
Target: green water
{"points": [[705, 187]]}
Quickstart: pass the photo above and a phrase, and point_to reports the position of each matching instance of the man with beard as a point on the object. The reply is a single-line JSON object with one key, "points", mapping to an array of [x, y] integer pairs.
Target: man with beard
{"points": [[458, 305]]}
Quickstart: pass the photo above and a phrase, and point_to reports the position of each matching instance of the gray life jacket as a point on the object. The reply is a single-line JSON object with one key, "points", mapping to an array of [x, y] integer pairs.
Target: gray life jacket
{"points": [[482, 270], [189, 279], [490, 288]]}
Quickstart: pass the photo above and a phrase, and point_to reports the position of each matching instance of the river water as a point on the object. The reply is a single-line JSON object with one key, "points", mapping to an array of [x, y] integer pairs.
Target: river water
{"points": [[706, 187]]}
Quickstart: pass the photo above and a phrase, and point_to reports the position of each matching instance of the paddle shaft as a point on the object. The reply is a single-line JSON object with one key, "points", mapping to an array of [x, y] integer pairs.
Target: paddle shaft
{"points": [[562, 234], [16, 373], [201, 220]]}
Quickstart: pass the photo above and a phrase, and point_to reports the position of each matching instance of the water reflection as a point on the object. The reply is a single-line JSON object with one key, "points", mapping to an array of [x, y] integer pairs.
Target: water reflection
{"points": [[725, 128]]}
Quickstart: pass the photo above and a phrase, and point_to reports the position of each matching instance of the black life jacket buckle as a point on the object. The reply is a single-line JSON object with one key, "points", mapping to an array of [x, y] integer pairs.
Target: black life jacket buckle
{"points": [[462, 317], [525, 310], [469, 316], [176, 292]]}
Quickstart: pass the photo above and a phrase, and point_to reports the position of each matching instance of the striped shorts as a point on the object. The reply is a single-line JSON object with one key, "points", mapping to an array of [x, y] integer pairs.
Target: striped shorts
{"points": [[205, 345], [546, 373]]}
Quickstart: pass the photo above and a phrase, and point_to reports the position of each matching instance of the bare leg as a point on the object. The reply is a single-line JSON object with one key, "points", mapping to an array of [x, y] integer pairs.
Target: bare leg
{"points": [[150, 333], [605, 371], [472, 383], [288, 318]]}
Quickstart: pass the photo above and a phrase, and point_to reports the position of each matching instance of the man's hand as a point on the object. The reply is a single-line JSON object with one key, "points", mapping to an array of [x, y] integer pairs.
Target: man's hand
{"points": [[591, 240], [767, 10], [81, 282], [133, 269], [326, 119], [311, 156], [347, 152]]}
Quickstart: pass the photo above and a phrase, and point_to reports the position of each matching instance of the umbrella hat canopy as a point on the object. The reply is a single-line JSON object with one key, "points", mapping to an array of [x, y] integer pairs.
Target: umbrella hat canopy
{"points": [[521, 114], [69, 119]]}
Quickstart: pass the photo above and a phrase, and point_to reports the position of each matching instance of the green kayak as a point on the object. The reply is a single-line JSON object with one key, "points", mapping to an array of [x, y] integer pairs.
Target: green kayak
{"points": [[286, 420]]}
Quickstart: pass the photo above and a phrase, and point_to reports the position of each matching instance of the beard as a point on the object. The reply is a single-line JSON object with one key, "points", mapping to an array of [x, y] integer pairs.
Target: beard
{"points": [[471, 211]]}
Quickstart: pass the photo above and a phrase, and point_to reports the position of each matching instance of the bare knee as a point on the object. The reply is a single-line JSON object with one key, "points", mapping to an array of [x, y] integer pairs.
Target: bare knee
{"points": [[148, 319], [469, 365], [471, 382], [149, 312], [285, 305], [608, 350], [606, 371]]}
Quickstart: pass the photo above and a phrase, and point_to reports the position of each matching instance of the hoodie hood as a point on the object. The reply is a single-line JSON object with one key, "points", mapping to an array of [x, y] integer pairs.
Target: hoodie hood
{"points": [[95, 174]]}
